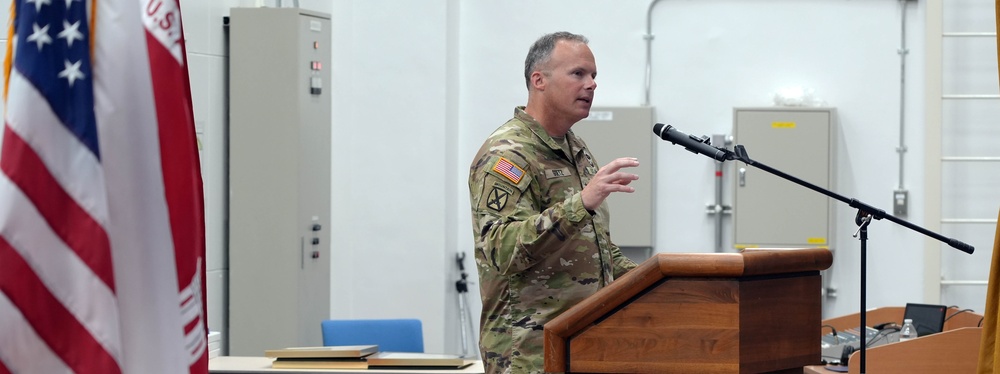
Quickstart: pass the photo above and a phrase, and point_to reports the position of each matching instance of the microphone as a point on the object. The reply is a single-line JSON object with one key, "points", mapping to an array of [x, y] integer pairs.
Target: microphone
{"points": [[689, 142]]}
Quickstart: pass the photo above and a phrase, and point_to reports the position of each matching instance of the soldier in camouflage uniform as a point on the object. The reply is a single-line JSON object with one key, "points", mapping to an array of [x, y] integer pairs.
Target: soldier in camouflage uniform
{"points": [[539, 217]]}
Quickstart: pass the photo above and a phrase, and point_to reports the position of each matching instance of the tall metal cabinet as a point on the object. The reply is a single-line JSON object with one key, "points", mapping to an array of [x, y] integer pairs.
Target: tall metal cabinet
{"points": [[770, 211], [279, 178], [613, 132]]}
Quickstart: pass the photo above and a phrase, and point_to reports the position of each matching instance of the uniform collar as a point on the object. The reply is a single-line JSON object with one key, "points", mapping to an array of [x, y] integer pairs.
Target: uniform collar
{"points": [[540, 132]]}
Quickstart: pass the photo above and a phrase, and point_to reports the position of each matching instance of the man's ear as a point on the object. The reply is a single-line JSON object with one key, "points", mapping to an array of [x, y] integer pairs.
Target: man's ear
{"points": [[538, 80]]}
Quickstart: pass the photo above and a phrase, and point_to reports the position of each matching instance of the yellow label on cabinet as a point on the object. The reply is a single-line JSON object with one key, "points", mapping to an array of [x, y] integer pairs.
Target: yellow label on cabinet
{"points": [[745, 246], [816, 240], [783, 125]]}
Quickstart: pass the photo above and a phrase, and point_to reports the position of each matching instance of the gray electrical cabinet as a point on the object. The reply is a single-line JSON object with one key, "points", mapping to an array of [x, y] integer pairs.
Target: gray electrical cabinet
{"points": [[279, 178], [768, 210], [613, 132]]}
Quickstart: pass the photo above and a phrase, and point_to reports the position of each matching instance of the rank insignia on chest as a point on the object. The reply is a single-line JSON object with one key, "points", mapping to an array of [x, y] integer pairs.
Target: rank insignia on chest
{"points": [[509, 170]]}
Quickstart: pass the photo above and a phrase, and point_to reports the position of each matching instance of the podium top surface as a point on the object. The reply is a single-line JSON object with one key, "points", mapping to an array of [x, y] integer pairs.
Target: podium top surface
{"points": [[755, 261]]}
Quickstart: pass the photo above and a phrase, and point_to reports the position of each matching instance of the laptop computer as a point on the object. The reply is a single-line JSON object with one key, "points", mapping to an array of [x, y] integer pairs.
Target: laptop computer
{"points": [[927, 318]]}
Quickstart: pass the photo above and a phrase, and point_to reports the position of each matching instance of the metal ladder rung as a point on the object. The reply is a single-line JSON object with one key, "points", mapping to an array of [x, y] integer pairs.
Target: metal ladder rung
{"points": [[968, 220], [969, 34], [964, 282], [970, 159], [970, 97]]}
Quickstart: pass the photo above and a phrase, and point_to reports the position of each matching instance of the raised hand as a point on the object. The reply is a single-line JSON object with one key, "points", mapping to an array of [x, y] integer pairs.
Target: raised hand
{"points": [[608, 179]]}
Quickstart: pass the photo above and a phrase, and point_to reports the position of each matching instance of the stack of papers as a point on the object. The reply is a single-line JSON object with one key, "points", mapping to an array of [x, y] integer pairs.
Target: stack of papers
{"points": [[332, 357], [360, 357], [399, 360]]}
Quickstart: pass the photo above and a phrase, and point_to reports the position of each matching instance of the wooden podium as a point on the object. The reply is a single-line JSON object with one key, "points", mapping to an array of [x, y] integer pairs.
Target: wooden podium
{"points": [[748, 312]]}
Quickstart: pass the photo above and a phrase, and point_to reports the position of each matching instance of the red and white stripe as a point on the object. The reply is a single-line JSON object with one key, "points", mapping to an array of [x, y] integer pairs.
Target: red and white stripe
{"points": [[58, 281], [160, 250]]}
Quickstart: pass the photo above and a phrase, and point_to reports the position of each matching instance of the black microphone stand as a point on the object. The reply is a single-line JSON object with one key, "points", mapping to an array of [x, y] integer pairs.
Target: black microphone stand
{"points": [[863, 220], [864, 217]]}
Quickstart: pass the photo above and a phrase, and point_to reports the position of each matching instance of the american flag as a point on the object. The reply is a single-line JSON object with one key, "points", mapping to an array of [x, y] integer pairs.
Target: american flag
{"points": [[101, 208], [509, 170]]}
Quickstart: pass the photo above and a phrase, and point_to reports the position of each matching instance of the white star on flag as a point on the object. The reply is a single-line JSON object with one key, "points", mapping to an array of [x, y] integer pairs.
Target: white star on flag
{"points": [[71, 72], [40, 36], [71, 32]]}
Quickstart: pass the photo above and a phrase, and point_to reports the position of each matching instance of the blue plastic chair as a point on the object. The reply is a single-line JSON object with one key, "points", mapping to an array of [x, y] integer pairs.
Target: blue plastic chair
{"points": [[391, 335]]}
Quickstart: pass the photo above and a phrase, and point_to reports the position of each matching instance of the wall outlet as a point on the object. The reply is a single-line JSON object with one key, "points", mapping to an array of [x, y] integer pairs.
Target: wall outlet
{"points": [[900, 201]]}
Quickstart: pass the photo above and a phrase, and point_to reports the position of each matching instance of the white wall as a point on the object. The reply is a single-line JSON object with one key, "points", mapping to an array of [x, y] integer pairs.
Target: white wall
{"points": [[390, 131], [418, 85]]}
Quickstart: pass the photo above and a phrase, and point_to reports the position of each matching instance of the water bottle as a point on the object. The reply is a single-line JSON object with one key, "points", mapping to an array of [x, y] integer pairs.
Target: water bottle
{"points": [[907, 332]]}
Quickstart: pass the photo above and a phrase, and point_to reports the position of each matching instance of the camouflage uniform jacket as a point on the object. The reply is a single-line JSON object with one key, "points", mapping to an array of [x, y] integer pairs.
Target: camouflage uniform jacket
{"points": [[538, 250]]}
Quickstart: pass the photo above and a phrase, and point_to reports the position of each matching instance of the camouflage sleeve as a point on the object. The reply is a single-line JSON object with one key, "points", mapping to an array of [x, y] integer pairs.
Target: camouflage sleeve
{"points": [[513, 232], [622, 263]]}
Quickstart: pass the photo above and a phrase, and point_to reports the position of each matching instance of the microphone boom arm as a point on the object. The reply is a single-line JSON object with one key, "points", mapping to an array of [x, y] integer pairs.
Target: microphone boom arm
{"points": [[740, 154]]}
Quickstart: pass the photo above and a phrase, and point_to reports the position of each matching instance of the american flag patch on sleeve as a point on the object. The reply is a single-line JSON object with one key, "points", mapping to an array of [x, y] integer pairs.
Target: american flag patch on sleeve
{"points": [[509, 170]]}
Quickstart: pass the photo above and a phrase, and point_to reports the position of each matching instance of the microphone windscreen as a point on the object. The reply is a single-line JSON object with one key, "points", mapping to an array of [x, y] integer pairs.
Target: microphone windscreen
{"points": [[657, 128]]}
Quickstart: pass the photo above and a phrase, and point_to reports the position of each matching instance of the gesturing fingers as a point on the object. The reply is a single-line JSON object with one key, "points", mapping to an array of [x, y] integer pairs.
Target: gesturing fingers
{"points": [[611, 173], [617, 182], [609, 179], [618, 164]]}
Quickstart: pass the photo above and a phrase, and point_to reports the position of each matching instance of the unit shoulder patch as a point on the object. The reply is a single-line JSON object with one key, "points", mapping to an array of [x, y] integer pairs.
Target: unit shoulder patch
{"points": [[498, 195], [497, 198]]}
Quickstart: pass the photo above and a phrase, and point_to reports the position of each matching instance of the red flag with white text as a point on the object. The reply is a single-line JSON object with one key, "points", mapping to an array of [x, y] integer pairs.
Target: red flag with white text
{"points": [[101, 209]]}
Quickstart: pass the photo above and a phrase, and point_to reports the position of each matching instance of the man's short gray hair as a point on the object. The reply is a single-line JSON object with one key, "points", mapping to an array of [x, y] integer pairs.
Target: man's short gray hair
{"points": [[541, 51]]}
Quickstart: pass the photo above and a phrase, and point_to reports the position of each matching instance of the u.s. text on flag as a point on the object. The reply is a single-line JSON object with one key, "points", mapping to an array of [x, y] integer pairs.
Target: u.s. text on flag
{"points": [[509, 170]]}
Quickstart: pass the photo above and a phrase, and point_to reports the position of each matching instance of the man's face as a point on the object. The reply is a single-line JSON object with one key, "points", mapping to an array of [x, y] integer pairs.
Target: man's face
{"points": [[569, 80]]}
